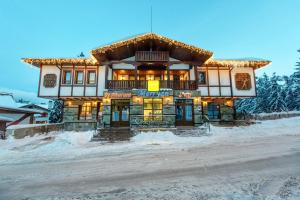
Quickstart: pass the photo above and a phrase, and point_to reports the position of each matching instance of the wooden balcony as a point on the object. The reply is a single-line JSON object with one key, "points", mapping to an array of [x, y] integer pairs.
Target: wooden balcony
{"points": [[130, 84], [152, 56]]}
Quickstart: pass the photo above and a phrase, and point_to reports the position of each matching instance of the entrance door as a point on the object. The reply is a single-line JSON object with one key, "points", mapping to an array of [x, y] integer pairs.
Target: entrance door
{"points": [[184, 112], [120, 113]]}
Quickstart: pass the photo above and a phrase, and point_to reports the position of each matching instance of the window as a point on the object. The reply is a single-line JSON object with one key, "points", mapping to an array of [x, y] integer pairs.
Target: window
{"points": [[213, 110], [153, 109], [202, 77], [66, 78], [79, 77], [91, 77], [85, 111]]}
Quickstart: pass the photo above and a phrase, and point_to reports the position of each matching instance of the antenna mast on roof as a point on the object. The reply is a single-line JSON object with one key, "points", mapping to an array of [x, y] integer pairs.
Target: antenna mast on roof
{"points": [[151, 18]]}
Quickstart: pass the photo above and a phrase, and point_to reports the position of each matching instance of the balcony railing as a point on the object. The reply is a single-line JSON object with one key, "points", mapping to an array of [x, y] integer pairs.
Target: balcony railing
{"points": [[130, 84], [152, 56]]}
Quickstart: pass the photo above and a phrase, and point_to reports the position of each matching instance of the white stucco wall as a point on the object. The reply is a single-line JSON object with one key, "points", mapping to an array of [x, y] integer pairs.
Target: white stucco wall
{"points": [[78, 91], [122, 66], [65, 91], [225, 90], [179, 66], [213, 77], [242, 93], [49, 69], [101, 80], [224, 77]]}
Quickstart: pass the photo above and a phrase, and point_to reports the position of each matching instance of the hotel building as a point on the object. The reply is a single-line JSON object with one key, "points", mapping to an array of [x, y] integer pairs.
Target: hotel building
{"points": [[147, 80]]}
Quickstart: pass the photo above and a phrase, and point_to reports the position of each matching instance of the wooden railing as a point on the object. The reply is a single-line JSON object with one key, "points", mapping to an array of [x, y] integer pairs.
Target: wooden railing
{"points": [[130, 84], [152, 56]]}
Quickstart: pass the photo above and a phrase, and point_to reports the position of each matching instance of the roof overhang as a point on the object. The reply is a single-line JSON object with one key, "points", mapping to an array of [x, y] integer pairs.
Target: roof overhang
{"points": [[149, 41], [256, 64], [19, 110], [61, 61]]}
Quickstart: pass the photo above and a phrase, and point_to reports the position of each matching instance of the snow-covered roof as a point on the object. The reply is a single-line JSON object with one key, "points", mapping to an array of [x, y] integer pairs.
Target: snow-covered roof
{"points": [[7, 99], [6, 119], [20, 110]]}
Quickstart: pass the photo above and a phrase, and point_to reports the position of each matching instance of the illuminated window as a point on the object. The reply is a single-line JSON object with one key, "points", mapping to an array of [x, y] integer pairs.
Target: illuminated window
{"points": [[91, 77], [79, 77], [86, 111], [66, 78], [153, 109]]}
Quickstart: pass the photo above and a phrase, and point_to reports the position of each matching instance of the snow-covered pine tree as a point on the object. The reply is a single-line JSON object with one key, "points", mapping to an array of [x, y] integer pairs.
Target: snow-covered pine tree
{"points": [[296, 85], [276, 102], [56, 113], [261, 101], [289, 96]]}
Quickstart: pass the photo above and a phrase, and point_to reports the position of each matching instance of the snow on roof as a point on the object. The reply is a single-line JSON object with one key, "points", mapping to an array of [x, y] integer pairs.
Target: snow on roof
{"points": [[7, 99], [6, 119], [20, 110], [242, 59]]}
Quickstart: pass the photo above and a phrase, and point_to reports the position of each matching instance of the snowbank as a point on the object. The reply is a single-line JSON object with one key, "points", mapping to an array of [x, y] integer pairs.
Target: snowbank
{"points": [[68, 145]]}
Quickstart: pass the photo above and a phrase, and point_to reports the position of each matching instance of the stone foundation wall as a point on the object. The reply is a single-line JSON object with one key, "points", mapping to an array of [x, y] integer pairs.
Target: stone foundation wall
{"points": [[227, 113], [31, 130], [80, 125]]}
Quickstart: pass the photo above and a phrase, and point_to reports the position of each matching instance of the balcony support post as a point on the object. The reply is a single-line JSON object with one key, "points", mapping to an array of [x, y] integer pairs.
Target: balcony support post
{"points": [[168, 76], [135, 77]]}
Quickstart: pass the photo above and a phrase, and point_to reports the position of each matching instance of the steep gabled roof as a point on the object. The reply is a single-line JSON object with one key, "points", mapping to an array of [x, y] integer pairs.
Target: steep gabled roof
{"points": [[126, 48]]}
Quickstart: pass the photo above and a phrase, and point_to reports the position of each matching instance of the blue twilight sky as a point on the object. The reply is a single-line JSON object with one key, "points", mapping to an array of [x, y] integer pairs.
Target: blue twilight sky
{"points": [[268, 29]]}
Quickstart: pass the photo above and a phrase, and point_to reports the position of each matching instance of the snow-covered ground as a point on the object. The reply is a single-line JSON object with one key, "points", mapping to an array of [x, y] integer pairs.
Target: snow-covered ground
{"points": [[255, 162]]}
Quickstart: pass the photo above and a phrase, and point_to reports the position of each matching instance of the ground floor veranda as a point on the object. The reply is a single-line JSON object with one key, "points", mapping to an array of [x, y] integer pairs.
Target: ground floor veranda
{"points": [[141, 108]]}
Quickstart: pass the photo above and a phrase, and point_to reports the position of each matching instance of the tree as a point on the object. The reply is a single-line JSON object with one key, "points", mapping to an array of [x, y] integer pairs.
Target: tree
{"points": [[56, 113], [276, 101], [289, 96], [296, 85]]}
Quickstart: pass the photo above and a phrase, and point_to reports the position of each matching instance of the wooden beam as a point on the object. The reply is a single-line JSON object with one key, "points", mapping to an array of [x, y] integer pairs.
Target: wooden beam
{"points": [[72, 79], [39, 87], [97, 79], [59, 81], [219, 81], [207, 77], [168, 74], [84, 78], [106, 74], [230, 79]]}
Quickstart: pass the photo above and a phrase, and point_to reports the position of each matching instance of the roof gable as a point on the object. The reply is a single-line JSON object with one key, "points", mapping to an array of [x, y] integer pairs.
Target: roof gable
{"points": [[150, 41]]}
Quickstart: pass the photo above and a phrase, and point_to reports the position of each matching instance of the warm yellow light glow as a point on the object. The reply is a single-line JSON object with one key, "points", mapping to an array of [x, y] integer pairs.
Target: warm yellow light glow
{"points": [[197, 100], [204, 103], [153, 85], [229, 103], [137, 100], [106, 101], [95, 103], [168, 100]]}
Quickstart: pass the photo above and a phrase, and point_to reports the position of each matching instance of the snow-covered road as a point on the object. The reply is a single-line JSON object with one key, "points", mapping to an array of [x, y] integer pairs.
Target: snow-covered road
{"points": [[257, 162]]}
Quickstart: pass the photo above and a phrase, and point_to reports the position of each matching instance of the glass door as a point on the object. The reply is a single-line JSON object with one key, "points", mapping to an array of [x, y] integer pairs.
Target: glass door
{"points": [[120, 113], [184, 112]]}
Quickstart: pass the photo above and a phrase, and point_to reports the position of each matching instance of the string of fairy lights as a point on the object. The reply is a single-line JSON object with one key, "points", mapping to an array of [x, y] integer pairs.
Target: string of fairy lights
{"points": [[149, 36], [92, 61]]}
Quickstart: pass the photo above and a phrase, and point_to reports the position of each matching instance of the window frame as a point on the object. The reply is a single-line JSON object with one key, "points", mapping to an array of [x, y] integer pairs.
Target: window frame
{"points": [[76, 77], [63, 77], [153, 116], [83, 115], [205, 75], [88, 71]]}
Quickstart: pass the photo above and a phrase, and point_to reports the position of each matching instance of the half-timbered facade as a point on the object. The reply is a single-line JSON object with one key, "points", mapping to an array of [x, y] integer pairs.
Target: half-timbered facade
{"points": [[147, 80]]}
